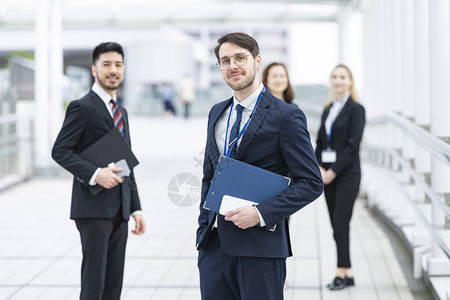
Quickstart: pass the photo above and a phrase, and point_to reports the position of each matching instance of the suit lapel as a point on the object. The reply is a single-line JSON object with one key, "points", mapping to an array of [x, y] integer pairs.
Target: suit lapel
{"points": [[100, 105], [255, 123], [344, 110], [215, 151]]}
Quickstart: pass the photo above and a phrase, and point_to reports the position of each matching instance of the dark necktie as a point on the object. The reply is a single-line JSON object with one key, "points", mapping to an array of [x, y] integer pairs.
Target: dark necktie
{"points": [[235, 130], [117, 116]]}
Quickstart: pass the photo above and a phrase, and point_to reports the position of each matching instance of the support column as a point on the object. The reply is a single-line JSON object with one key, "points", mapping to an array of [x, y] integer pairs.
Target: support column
{"points": [[48, 81], [439, 61], [56, 69], [396, 95], [421, 90], [407, 64], [42, 83]]}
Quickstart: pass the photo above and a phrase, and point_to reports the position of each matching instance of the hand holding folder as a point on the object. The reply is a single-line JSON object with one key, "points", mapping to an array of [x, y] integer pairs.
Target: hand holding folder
{"points": [[240, 180], [110, 148]]}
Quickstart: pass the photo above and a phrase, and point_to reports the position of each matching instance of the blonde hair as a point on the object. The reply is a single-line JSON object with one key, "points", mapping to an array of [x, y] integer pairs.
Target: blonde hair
{"points": [[352, 87]]}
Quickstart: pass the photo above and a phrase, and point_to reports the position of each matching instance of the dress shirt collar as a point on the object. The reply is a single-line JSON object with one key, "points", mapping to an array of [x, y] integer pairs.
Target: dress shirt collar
{"points": [[343, 101], [250, 101], [102, 93]]}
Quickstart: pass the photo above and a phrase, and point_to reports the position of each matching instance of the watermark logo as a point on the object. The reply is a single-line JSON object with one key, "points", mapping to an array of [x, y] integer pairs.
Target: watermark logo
{"points": [[184, 189]]}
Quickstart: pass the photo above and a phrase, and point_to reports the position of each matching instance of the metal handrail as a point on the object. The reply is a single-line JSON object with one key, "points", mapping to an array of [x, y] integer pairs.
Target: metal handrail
{"points": [[437, 148], [8, 119], [433, 196], [434, 145], [418, 179]]}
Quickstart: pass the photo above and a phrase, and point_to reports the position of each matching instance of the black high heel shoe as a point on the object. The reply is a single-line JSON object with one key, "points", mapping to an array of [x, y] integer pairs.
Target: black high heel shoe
{"points": [[339, 283], [350, 281]]}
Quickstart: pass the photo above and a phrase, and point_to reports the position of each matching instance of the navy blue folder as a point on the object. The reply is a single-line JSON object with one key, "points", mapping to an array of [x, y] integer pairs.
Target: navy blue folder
{"points": [[239, 179]]}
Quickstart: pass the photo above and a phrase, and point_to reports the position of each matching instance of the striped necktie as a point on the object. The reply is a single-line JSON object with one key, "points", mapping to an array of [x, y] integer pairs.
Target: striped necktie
{"points": [[117, 116], [234, 133]]}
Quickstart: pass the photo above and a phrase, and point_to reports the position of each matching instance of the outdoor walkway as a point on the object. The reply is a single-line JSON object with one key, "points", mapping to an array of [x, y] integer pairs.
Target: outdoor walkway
{"points": [[40, 253]]}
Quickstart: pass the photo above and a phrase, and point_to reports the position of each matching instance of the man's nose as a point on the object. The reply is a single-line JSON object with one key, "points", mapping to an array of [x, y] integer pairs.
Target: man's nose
{"points": [[233, 62]]}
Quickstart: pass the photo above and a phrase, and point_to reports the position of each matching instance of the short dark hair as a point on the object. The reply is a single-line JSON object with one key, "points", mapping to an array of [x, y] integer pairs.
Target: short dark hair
{"points": [[106, 47], [241, 39]]}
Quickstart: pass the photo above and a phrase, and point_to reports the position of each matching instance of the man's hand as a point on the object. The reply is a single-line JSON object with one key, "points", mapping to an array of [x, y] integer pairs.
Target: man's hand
{"points": [[140, 224], [107, 177], [243, 217]]}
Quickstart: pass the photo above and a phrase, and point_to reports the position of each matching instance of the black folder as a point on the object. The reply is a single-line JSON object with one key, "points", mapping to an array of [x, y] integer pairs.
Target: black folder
{"points": [[110, 148]]}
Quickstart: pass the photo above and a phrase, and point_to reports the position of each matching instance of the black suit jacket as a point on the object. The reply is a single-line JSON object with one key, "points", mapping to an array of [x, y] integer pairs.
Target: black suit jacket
{"points": [[86, 121], [345, 138], [277, 140]]}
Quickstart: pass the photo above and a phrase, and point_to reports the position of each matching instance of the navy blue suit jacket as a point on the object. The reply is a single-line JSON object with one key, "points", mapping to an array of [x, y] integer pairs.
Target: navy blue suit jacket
{"points": [[86, 121], [277, 140]]}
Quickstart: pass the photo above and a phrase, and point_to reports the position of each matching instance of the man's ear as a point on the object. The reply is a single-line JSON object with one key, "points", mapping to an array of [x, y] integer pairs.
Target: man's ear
{"points": [[258, 61], [93, 71]]}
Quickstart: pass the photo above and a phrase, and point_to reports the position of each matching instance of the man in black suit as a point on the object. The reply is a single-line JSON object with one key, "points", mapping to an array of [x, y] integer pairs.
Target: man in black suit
{"points": [[102, 220], [242, 255]]}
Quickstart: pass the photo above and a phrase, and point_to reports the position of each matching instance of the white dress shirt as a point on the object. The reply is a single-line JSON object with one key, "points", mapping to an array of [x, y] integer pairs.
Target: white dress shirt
{"points": [[335, 109], [221, 126], [107, 100]]}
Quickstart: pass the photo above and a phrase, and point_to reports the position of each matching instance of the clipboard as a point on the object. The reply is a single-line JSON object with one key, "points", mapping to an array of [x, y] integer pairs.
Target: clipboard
{"points": [[109, 148], [241, 180]]}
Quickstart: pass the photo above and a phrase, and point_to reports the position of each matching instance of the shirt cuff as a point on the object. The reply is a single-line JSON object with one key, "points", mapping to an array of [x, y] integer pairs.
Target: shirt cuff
{"points": [[92, 182], [262, 223], [137, 212]]}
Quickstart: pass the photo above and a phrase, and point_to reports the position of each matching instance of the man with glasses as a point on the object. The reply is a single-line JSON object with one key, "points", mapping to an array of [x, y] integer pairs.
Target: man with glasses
{"points": [[242, 255]]}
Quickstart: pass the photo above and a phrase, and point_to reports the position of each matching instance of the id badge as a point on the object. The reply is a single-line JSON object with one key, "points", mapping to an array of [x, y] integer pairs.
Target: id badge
{"points": [[329, 156]]}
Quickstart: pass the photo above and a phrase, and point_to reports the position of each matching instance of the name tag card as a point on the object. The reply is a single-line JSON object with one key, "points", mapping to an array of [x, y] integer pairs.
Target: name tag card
{"points": [[329, 156]]}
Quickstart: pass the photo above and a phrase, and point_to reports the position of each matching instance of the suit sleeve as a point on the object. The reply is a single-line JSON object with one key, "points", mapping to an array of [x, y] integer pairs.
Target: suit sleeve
{"points": [[63, 151], [135, 200], [208, 173], [351, 150], [297, 152]]}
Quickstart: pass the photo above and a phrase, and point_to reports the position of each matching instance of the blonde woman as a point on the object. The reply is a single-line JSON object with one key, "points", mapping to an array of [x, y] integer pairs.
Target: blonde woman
{"points": [[337, 153]]}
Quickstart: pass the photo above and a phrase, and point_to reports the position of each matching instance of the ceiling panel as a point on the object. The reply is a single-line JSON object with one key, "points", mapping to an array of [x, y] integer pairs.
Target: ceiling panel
{"points": [[83, 13]]}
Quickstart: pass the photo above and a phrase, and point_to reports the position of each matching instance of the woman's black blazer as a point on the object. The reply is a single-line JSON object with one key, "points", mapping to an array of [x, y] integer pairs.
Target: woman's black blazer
{"points": [[346, 135]]}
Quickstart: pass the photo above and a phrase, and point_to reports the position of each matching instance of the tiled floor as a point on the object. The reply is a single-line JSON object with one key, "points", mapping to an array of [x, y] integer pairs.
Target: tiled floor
{"points": [[40, 251]]}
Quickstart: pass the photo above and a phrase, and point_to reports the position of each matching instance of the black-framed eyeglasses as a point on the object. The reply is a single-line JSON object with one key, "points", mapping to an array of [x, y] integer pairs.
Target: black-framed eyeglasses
{"points": [[239, 59]]}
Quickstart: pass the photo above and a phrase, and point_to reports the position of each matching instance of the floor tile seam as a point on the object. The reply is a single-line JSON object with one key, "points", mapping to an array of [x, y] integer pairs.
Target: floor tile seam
{"points": [[147, 264], [43, 270], [186, 285], [388, 255], [127, 286], [165, 275], [373, 228], [366, 258], [318, 247]]}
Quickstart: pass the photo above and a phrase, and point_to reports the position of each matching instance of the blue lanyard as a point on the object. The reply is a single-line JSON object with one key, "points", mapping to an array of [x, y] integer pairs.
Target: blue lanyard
{"points": [[234, 143], [329, 135]]}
